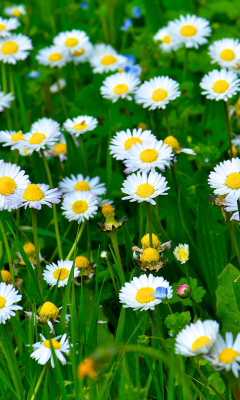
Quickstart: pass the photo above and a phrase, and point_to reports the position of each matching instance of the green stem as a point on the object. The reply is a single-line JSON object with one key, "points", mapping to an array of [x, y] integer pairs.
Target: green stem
{"points": [[11, 79], [112, 275], [141, 223], [83, 155], [113, 237], [167, 121], [198, 306], [235, 391], [206, 380], [53, 206], [39, 382], [64, 235], [4, 77], [60, 93], [35, 238], [173, 171], [153, 319], [149, 223], [185, 64], [79, 234], [128, 113], [8, 252], [233, 236], [228, 128]]}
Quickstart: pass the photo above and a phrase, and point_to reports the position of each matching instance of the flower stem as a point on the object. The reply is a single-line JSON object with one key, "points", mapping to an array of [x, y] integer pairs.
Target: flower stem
{"points": [[185, 64], [113, 237], [149, 223], [206, 380], [11, 79], [8, 252], [153, 319], [167, 121], [83, 154], [4, 78], [35, 238], [39, 382], [112, 275], [174, 177], [233, 237], [79, 234], [228, 127]]}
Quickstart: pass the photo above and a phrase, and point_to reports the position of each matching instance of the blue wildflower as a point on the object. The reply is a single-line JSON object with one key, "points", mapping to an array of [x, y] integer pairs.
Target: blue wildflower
{"points": [[161, 293], [131, 58], [127, 24], [84, 5], [33, 74], [136, 12]]}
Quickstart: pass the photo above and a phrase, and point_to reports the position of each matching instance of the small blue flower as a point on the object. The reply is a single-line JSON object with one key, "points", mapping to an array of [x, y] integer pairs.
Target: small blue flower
{"points": [[33, 74], [127, 24], [134, 69], [171, 335], [84, 5], [206, 160], [161, 293], [131, 58], [136, 12]]}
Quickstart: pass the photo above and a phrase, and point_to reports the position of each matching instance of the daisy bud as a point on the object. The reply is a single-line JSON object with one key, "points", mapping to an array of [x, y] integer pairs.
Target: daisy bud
{"points": [[184, 291], [6, 276]]}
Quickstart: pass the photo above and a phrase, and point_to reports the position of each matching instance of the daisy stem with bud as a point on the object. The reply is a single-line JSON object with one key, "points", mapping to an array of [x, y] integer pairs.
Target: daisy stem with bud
{"points": [[233, 236], [149, 223], [228, 127], [39, 382], [79, 234], [8, 252], [35, 238]]}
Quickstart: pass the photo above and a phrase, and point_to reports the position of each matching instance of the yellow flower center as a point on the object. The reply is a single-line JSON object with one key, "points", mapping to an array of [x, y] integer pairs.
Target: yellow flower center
{"points": [[149, 155], [15, 137], [220, 86], [29, 249], [108, 211], [48, 310], [108, 60], [55, 57], [2, 27], [80, 206], [159, 94], [227, 355], [79, 52], [145, 190], [62, 273], [71, 42], [2, 302], [120, 88], [7, 185], [172, 142], [60, 148], [16, 12], [227, 55], [9, 47], [188, 30], [83, 186], [33, 193], [6, 276], [166, 39], [80, 126], [82, 262], [130, 142], [200, 342], [183, 255], [233, 180], [149, 255], [37, 138], [55, 344], [144, 295], [145, 242]]}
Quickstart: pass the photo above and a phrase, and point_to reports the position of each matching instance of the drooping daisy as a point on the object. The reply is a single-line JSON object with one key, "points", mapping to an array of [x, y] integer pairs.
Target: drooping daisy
{"points": [[10, 138], [59, 272], [190, 30], [14, 48], [167, 42], [124, 140], [35, 196], [172, 142], [79, 206], [142, 187], [181, 253], [5, 100], [226, 52], [71, 40], [225, 179], [11, 179], [138, 294], [225, 354], [80, 184], [196, 338], [157, 92], [106, 59], [58, 150], [16, 10], [220, 85], [53, 56], [8, 25], [120, 85], [149, 155], [80, 125], [8, 296], [43, 353], [231, 204], [83, 54]]}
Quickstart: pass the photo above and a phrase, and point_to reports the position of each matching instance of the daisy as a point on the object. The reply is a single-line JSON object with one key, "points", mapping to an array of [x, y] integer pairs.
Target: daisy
{"points": [[43, 352], [181, 253], [119, 85], [53, 56], [197, 338], [172, 142], [14, 48], [80, 125], [11, 179], [57, 150], [231, 204], [8, 296], [80, 184], [142, 187], [190, 30], [71, 41], [5, 100], [11, 138], [83, 54], [225, 179], [79, 206], [106, 59], [167, 42], [220, 85], [124, 140], [157, 92], [8, 25], [149, 155], [59, 272], [16, 10], [35, 196], [226, 52], [225, 354], [58, 86], [139, 293]]}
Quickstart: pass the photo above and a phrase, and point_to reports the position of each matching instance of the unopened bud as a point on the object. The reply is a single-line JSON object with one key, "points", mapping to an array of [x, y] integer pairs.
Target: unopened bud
{"points": [[184, 291]]}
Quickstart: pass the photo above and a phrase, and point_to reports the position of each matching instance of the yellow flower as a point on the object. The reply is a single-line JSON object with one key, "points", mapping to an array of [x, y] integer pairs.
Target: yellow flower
{"points": [[6, 276], [86, 368], [149, 256], [146, 243]]}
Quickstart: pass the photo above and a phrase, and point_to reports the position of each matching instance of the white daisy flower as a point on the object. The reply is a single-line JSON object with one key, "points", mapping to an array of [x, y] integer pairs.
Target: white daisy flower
{"points": [[231, 204], [57, 150], [59, 272], [11, 179], [149, 155], [157, 92], [16, 10], [8, 25], [35, 196], [10, 138], [71, 40], [120, 85], [58, 86], [14, 48], [139, 293], [168, 42], [181, 253], [106, 59], [142, 187], [190, 30], [225, 52], [53, 56], [80, 184], [196, 338], [225, 178], [79, 206], [8, 296], [80, 125], [225, 354], [124, 140], [83, 54], [5, 100], [220, 85], [43, 353]]}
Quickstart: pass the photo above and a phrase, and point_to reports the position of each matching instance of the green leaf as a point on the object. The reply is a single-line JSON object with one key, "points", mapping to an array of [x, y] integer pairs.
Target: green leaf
{"points": [[177, 321]]}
